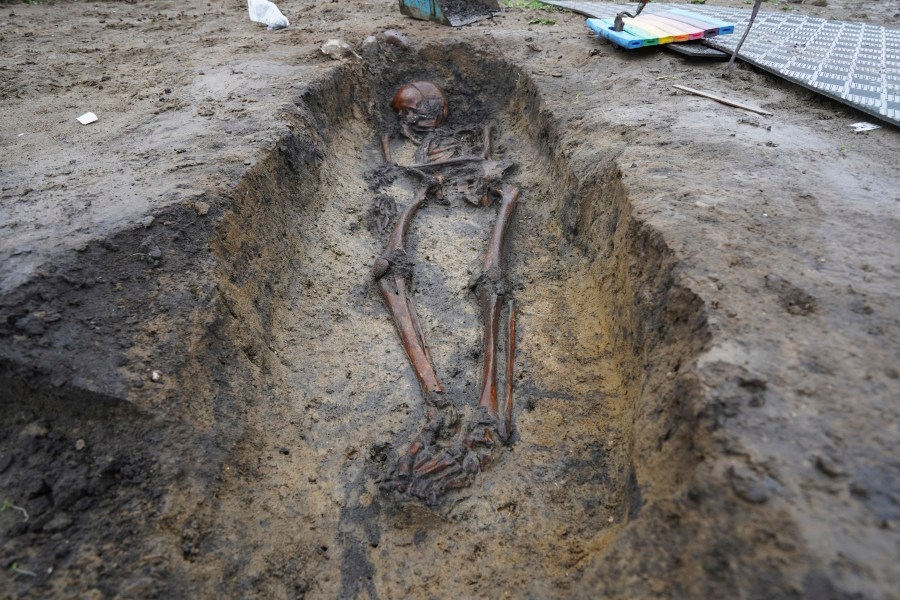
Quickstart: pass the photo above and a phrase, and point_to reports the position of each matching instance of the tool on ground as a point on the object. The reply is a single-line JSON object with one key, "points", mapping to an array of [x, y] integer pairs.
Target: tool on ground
{"points": [[449, 12], [734, 54], [620, 18], [660, 27], [829, 57]]}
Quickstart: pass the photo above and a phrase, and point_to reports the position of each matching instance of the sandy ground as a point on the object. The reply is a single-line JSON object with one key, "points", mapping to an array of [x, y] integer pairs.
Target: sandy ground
{"points": [[202, 391]]}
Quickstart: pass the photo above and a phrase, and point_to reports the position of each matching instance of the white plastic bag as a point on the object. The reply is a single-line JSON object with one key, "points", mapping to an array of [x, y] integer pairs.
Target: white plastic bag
{"points": [[263, 11]]}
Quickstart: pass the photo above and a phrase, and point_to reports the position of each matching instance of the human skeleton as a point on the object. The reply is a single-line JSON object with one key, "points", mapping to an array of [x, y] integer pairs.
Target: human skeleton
{"points": [[447, 165]]}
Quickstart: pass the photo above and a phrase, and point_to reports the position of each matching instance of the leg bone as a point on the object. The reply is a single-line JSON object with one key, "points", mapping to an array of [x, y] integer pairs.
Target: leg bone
{"points": [[490, 288], [386, 148], [488, 148], [392, 275], [506, 421]]}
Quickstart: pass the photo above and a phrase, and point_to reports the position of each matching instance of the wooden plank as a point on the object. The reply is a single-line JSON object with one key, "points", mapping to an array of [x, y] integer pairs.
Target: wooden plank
{"points": [[621, 38], [682, 31], [648, 38], [722, 26], [648, 30], [702, 25]]}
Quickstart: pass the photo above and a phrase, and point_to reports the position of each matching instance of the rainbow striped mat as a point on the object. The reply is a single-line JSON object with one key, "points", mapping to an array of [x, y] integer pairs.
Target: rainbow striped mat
{"points": [[663, 27]]}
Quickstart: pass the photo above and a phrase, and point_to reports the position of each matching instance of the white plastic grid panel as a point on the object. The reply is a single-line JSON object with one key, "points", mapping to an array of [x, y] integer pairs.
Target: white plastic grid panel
{"points": [[855, 63]]}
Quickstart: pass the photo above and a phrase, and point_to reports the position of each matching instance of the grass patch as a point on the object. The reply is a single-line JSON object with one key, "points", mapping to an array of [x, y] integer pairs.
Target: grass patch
{"points": [[15, 568], [530, 4], [7, 504]]}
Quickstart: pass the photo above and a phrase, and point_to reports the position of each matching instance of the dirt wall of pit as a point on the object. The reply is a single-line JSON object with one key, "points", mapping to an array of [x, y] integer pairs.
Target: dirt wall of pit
{"points": [[191, 294]]}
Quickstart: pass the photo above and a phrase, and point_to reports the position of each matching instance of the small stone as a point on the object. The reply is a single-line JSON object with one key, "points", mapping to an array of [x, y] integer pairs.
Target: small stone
{"points": [[92, 594], [201, 208], [60, 522], [773, 281], [31, 324], [749, 486], [829, 466], [34, 430], [110, 246], [394, 38], [79, 445], [140, 587], [39, 502], [336, 49], [148, 220], [155, 376], [859, 490]]}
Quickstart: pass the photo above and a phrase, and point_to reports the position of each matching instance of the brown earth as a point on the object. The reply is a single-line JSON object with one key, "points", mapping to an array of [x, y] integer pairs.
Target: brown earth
{"points": [[203, 393]]}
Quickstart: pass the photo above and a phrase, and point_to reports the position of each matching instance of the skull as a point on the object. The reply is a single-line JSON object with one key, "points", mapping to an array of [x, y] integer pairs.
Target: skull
{"points": [[421, 105]]}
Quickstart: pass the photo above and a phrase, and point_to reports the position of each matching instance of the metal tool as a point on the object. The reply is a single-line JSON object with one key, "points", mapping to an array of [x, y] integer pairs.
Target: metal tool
{"points": [[734, 54], [619, 24]]}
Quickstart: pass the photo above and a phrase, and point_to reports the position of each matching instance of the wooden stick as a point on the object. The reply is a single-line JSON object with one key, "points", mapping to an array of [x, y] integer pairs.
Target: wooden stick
{"points": [[725, 101]]}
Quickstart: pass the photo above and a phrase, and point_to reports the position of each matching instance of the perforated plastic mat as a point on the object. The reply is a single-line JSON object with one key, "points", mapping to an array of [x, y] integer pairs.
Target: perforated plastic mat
{"points": [[855, 63]]}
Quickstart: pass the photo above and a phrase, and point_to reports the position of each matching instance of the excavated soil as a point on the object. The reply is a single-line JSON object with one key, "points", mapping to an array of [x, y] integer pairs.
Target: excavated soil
{"points": [[203, 393]]}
